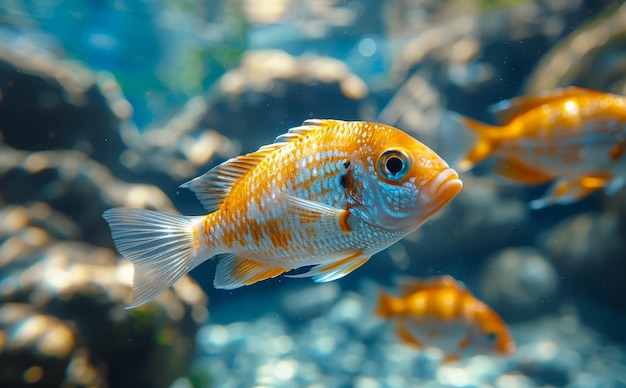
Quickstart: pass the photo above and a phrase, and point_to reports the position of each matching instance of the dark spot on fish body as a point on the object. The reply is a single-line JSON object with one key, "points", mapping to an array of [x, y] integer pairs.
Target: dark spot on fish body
{"points": [[352, 188], [465, 342], [617, 151], [347, 182], [491, 337], [343, 181]]}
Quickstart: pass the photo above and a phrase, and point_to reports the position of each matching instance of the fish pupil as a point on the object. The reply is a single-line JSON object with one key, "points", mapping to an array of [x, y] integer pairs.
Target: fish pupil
{"points": [[394, 165]]}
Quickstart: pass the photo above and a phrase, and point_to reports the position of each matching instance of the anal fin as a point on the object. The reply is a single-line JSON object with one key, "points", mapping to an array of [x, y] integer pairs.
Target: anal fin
{"points": [[233, 272], [322, 273], [568, 190], [450, 358]]}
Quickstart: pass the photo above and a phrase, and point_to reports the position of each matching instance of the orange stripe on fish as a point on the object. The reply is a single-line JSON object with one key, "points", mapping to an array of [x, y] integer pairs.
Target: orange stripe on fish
{"points": [[327, 194], [617, 152]]}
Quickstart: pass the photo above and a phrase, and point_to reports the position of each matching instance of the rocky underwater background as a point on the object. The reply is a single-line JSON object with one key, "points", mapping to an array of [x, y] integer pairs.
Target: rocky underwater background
{"points": [[116, 103]]}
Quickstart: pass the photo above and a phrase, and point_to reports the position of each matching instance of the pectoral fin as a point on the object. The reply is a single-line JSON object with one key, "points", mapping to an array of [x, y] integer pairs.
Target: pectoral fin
{"points": [[329, 220], [405, 335], [233, 272], [568, 190]]}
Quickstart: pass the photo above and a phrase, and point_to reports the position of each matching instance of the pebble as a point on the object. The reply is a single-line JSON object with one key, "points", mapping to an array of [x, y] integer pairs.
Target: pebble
{"points": [[330, 351], [519, 283]]}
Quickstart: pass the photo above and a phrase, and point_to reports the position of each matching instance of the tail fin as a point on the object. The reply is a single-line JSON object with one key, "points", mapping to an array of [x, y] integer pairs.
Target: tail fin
{"points": [[162, 248], [388, 305], [463, 142]]}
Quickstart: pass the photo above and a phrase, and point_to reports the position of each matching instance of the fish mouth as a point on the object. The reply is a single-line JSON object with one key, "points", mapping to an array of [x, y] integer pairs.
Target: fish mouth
{"points": [[441, 189], [508, 348]]}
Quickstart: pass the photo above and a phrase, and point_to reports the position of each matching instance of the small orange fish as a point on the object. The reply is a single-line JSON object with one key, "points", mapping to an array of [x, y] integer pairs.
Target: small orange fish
{"points": [[573, 136], [442, 313], [328, 193]]}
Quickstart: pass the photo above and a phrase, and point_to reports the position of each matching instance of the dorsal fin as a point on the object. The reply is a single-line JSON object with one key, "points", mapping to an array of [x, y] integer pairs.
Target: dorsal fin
{"points": [[213, 187], [413, 285], [506, 110]]}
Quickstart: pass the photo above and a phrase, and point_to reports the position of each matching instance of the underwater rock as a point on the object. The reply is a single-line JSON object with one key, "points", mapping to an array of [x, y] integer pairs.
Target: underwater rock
{"points": [[267, 94], [310, 301], [272, 91], [51, 103], [173, 152], [588, 250], [416, 108], [71, 183], [332, 350], [561, 350], [316, 20], [63, 322], [62, 316], [36, 348], [520, 283], [476, 54], [591, 56]]}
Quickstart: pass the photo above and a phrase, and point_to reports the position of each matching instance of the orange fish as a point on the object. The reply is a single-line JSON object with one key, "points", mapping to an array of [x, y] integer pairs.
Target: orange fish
{"points": [[328, 193], [442, 313], [575, 137]]}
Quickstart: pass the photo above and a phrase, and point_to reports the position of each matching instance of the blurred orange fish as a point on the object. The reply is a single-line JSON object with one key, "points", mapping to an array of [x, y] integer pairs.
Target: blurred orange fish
{"points": [[573, 136], [328, 193], [442, 313]]}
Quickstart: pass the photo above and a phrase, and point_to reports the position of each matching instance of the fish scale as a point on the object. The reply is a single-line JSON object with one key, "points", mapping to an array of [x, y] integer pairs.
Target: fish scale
{"points": [[327, 194]]}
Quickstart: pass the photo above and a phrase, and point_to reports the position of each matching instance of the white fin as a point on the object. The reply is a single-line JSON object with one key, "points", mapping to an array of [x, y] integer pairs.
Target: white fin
{"points": [[306, 127], [328, 219], [162, 248], [213, 187], [322, 273], [615, 185], [565, 191], [454, 140], [233, 272]]}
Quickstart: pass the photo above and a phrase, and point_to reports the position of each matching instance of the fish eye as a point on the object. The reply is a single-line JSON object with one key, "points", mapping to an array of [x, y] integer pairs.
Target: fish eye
{"points": [[491, 337], [393, 165]]}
